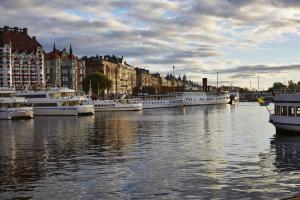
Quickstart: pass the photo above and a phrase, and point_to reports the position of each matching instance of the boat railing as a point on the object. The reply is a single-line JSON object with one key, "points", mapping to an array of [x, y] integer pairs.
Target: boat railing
{"points": [[289, 91]]}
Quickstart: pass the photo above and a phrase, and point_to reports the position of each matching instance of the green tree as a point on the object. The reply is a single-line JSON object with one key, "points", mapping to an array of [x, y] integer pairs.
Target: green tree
{"points": [[292, 85], [278, 86], [98, 81], [298, 85]]}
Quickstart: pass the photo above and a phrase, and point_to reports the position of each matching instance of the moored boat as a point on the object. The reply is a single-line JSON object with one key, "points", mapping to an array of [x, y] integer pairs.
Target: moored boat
{"points": [[286, 115], [205, 98], [159, 101], [56, 102], [114, 105], [13, 107]]}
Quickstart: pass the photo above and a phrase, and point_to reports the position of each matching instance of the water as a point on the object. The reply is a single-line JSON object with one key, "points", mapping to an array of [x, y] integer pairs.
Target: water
{"points": [[202, 152]]}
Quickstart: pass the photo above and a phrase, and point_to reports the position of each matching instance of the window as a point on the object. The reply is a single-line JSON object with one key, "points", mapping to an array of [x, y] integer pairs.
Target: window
{"points": [[298, 111], [291, 111], [283, 111], [277, 110]]}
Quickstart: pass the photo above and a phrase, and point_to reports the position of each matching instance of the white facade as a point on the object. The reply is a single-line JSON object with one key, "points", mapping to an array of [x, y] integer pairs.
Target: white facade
{"points": [[21, 59]]}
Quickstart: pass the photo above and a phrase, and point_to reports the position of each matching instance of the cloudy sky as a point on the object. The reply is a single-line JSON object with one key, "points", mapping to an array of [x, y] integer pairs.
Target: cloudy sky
{"points": [[238, 39]]}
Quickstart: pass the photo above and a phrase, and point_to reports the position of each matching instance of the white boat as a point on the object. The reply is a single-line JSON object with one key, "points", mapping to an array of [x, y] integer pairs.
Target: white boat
{"points": [[13, 107], [160, 101], [234, 97], [56, 101], [114, 105], [205, 98], [286, 115]]}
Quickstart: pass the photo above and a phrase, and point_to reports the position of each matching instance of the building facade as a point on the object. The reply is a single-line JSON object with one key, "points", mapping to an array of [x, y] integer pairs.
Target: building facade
{"points": [[63, 69], [121, 74], [126, 78], [21, 59], [143, 78]]}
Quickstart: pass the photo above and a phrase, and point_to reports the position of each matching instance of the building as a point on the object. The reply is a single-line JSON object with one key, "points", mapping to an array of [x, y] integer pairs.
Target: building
{"points": [[21, 59], [126, 78], [63, 69], [143, 78], [106, 65], [80, 73], [121, 74]]}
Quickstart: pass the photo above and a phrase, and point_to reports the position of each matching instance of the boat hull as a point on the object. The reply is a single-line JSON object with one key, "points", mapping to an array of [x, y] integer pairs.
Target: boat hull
{"points": [[205, 102], [17, 113], [86, 110], [285, 125], [119, 108], [56, 111], [162, 103], [202, 98]]}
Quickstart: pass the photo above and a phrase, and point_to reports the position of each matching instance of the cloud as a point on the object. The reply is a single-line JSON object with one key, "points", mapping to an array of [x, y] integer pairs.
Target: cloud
{"points": [[159, 33], [242, 72]]}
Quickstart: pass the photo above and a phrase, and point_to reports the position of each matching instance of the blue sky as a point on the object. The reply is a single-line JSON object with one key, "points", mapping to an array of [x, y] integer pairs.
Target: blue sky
{"points": [[238, 39]]}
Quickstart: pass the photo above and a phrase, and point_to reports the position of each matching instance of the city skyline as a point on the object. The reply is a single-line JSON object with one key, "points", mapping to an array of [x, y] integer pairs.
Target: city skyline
{"points": [[239, 40]]}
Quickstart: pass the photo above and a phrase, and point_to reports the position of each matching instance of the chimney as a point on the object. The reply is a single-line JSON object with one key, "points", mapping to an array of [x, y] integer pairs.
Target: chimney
{"points": [[16, 29], [204, 84], [25, 30], [6, 28], [34, 38]]}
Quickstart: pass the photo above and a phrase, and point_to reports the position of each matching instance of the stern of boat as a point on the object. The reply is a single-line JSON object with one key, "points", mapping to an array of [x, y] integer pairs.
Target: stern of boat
{"points": [[20, 113], [86, 110]]}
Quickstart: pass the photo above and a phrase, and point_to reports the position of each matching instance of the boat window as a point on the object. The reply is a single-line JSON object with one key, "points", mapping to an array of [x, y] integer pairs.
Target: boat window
{"points": [[31, 96], [291, 111], [54, 95], [277, 110], [283, 111], [44, 105], [298, 111], [65, 103]]}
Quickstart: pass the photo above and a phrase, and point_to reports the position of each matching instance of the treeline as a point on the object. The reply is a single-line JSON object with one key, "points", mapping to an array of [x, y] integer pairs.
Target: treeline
{"points": [[277, 86]]}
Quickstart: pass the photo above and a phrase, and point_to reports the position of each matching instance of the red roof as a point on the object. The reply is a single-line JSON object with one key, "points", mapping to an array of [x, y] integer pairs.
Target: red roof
{"points": [[19, 39], [56, 54], [52, 55]]}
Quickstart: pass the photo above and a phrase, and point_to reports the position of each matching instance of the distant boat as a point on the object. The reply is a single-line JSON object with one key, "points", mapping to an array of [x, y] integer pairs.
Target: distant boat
{"points": [[263, 102], [205, 98], [234, 97], [286, 116], [160, 101], [114, 105]]}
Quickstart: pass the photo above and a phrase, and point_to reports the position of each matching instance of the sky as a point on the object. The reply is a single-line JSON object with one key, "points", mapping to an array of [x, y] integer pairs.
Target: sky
{"points": [[239, 39]]}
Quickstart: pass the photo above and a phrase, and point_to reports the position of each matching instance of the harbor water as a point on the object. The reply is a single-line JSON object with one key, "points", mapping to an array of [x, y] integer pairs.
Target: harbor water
{"points": [[198, 152]]}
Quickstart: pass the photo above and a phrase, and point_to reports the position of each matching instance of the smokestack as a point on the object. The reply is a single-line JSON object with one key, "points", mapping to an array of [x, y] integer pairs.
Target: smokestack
{"points": [[204, 84]]}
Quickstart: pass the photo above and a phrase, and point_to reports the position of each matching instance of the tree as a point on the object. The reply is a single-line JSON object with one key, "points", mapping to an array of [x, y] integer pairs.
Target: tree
{"points": [[278, 86], [97, 81], [292, 85]]}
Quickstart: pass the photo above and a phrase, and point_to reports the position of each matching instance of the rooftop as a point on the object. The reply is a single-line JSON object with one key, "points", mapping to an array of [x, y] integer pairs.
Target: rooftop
{"points": [[18, 38]]}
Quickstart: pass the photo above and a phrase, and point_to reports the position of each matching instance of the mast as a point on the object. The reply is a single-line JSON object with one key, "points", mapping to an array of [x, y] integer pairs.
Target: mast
{"points": [[217, 80], [258, 83], [98, 90]]}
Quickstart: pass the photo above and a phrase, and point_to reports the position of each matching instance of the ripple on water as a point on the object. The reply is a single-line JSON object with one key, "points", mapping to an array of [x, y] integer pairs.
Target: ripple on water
{"points": [[179, 153]]}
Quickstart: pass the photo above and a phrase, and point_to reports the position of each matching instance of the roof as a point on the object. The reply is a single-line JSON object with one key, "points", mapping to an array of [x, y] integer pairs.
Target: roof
{"points": [[57, 54], [18, 38]]}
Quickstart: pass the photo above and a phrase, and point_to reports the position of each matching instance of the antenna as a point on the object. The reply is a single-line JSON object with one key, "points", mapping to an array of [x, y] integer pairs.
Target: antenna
{"points": [[217, 80], [258, 83]]}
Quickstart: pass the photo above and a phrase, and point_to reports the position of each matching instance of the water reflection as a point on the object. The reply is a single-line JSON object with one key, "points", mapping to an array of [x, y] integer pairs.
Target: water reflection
{"points": [[192, 152], [287, 152]]}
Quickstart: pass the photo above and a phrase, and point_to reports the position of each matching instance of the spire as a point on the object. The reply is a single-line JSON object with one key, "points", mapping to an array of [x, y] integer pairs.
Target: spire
{"points": [[54, 49], [70, 51]]}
